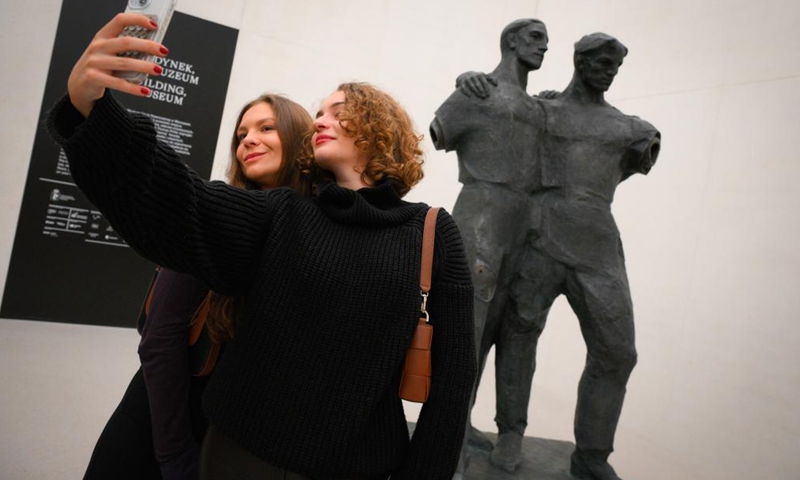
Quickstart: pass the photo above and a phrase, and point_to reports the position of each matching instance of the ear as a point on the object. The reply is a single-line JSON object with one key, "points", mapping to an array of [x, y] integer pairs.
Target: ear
{"points": [[580, 62], [511, 40]]}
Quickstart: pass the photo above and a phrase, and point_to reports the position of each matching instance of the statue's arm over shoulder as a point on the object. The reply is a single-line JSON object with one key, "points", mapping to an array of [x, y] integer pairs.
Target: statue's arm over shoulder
{"points": [[477, 84], [548, 94], [642, 153]]}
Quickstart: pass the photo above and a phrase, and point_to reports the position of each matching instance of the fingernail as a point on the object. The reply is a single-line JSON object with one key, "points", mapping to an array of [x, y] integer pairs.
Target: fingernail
{"points": [[153, 24], [158, 69], [164, 50], [145, 91]]}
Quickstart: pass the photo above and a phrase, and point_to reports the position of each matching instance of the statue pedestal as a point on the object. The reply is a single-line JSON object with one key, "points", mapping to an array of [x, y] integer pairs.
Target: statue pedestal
{"points": [[542, 459]]}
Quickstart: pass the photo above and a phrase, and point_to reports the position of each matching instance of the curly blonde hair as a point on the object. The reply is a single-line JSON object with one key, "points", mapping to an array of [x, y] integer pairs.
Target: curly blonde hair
{"points": [[383, 131]]}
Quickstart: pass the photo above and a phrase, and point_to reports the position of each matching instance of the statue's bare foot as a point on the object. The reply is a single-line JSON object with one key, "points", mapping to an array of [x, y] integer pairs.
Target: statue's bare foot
{"points": [[588, 467], [479, 441], [507, 454]]}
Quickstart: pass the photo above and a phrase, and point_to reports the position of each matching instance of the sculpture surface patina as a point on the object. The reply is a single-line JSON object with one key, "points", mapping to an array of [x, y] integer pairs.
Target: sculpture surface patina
{"points": [[537, 224]]}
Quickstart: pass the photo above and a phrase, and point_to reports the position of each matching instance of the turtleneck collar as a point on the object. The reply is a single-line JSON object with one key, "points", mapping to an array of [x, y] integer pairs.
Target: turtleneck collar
{"points": [[379, 205]]}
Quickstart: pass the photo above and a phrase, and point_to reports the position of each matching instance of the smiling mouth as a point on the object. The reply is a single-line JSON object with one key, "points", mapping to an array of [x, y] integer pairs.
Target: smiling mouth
{"points": [[253, 156], [322, 139]]}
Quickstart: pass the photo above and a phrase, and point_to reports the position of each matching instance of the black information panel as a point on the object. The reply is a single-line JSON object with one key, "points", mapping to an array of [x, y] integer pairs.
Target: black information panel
{"points": [[68, 264]]}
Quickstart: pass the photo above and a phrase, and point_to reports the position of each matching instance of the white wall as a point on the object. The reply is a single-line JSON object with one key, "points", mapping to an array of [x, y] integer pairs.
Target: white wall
{"points": [[710, 235]]}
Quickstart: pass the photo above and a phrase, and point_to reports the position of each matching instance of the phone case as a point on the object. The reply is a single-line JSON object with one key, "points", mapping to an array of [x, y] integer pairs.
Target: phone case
{"points": [[160, 11]]}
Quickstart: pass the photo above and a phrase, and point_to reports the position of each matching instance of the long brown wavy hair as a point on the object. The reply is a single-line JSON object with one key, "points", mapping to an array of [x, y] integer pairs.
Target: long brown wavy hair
{"points": [[383, 131], [292, 123]]}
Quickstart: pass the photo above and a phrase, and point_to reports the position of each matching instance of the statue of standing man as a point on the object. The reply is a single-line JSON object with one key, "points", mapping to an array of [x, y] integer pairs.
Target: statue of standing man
{"points": [[572, 246], [496, 142]]}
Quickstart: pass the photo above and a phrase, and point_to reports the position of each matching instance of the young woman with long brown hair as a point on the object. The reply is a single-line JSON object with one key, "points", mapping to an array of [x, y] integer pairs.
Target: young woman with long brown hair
{"points": [[308, 387], [156, 430]]}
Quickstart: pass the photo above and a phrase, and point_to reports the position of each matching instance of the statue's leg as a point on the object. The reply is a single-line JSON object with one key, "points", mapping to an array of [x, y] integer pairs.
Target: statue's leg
{"points": [[484, 231], [487, 303], [476, 438], [538, 284], [602, 302], [487, 309]]}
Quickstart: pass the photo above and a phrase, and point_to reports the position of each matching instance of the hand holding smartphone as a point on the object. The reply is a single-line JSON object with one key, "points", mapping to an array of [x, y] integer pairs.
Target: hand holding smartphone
{"points": [[160, 13], [121, 54]]}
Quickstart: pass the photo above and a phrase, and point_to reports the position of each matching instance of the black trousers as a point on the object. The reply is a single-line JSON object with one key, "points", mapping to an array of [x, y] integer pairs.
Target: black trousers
{"points": [[124, 450], [224, 459]]}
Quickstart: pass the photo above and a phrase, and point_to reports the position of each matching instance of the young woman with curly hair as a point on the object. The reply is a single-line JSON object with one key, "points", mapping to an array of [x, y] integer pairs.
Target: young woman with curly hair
{"points": [[381, 131], [156, 430], [308, 387]]}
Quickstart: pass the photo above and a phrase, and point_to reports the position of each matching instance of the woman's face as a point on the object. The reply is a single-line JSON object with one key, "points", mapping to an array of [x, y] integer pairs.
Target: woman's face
{"points": [[333, 148], [259, 152]]}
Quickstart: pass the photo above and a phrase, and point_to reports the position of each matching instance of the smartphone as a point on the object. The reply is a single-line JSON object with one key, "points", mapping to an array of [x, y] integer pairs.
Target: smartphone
{"points": [[160, 11]]}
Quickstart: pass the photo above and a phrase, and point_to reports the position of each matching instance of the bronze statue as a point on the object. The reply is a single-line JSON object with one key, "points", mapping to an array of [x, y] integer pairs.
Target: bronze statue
{"points": [[571, 246]]}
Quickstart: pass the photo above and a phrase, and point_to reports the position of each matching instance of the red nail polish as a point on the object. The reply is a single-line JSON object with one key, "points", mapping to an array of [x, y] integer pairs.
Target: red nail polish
{"points": [[158, 69], [164, 50], [145, 91], [153, 24]]}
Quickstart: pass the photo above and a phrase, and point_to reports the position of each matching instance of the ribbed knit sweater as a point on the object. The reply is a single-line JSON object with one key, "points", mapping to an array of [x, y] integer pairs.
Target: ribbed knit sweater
{"points": [[310, 382]]}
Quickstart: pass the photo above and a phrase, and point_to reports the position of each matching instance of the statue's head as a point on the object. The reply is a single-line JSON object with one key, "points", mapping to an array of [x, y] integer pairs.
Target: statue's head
{"points": [[598, 57], [525, 39]]}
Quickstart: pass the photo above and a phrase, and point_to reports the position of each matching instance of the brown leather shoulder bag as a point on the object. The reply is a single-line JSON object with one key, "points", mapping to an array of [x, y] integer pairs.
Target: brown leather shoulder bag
{"points": [[415, 384]]}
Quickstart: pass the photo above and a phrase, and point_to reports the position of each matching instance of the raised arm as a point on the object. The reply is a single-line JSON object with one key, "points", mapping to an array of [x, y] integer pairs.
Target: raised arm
{"points": [[159, 205]]}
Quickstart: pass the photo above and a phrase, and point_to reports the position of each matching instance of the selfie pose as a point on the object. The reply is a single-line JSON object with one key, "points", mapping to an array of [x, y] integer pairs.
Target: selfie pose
{"points": [[308, 387], [158, 427]]}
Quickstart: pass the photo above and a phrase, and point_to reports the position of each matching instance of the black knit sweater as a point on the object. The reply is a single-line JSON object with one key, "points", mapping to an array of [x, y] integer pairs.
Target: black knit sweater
{"points": [[310, 383]]}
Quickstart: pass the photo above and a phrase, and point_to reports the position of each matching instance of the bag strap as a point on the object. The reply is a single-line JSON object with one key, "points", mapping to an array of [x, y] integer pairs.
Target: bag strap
{"points": [[428, 238], [198, 321]]}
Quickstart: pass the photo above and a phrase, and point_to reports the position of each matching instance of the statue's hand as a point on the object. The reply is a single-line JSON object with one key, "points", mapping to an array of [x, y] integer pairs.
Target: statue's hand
{"points": [[548, 94], [475, 83]]}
